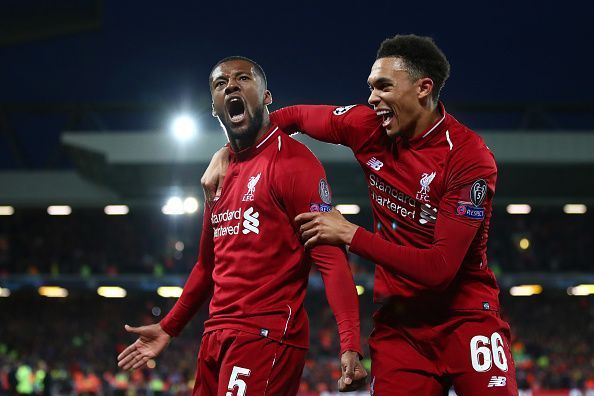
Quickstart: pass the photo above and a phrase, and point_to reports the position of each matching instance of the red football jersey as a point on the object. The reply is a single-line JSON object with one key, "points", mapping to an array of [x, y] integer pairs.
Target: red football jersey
{"points": [[431, 199], [251, 256]]}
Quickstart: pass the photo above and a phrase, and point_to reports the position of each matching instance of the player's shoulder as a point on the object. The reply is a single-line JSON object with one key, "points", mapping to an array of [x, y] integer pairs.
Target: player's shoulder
{"points": [[294, 154], [357, 112], [466, 143]]}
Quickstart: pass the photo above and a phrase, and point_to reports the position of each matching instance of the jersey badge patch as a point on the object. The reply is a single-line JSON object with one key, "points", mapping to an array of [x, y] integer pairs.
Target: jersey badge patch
{"points": [[324, 191], [478, 192], [251, 186], [341, 110], [319, 207], [425, 181], [467, 209]]}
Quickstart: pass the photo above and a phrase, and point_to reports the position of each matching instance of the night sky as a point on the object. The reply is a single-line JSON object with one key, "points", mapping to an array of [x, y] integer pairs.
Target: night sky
{"points": [[312, 53]]}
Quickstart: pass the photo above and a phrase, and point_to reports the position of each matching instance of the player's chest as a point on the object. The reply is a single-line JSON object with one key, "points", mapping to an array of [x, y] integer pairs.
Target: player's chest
{"points": [[245, 205], [403, 183]]}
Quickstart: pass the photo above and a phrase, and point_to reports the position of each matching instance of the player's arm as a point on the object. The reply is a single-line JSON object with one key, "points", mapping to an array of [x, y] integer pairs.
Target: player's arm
{"points": [[152, 339], [434, 267], [348, 125], [301, 190], [198, 286]]}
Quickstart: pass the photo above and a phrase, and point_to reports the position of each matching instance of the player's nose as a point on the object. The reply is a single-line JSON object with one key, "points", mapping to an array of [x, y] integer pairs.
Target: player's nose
{"points": [[373, 99], [231, 87]]}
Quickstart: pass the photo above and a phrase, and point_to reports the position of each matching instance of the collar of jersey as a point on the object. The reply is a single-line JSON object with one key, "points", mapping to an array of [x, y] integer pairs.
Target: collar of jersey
{"points": [[255, 148], [434, 130]]}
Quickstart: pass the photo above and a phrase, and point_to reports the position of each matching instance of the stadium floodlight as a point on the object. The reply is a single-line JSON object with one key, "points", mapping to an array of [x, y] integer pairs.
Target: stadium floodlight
{"points": [[111, 291], [575, 209], [116, 210], [179, 246], [170, 291], [6, 210], [191, 205], [360, 290], [348, 209], [173, 207], [183, 127], [581, 290], [524, 243], [4, 292], [53, 291], [525, 290], [519, 209], [59, 210]]}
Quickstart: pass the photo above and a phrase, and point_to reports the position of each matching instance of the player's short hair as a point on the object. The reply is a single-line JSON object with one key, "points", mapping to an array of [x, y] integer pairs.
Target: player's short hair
{"points": [[257, 67], [421, 57]]}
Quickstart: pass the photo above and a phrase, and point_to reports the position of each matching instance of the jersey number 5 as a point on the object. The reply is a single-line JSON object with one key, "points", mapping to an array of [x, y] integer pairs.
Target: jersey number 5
{"points": [[234, 381], [482, 357]]}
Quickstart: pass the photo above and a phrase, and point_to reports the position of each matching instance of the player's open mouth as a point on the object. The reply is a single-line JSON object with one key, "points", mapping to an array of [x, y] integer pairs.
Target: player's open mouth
{"points": [[236, 110], [386, 115]]}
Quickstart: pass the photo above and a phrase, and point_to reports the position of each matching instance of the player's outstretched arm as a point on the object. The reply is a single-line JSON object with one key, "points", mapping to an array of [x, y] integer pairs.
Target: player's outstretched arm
{"points": [[433, 267], [348, 125], [199, 285], [152, 339]]}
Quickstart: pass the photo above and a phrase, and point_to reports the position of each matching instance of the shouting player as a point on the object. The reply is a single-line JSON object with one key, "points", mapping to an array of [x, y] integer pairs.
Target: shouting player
{"points": [[252, 260], [431, 183]]}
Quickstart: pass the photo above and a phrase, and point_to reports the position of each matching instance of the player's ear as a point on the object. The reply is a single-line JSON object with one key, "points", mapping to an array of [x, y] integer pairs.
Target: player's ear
{"points": [[267, 98], [214, 114], [425, 87]]}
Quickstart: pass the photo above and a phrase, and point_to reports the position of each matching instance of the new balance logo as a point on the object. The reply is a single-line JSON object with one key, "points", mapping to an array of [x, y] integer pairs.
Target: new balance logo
{"points": [[497, 381], [251, 222], [375, 164]]}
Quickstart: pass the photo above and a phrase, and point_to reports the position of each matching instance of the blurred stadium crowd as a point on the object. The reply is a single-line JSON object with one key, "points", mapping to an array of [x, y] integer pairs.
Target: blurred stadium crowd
{"points": [[31, 242], [73, 345]]}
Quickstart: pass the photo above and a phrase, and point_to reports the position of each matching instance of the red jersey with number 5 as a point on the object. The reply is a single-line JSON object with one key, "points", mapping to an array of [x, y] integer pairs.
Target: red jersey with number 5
{"points": [[251, 256]]}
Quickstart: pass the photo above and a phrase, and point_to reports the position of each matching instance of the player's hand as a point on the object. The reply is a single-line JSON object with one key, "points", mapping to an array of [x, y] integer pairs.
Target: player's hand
{"points": [[212, 179], [329, 228], [151, 341], [353, 374]]}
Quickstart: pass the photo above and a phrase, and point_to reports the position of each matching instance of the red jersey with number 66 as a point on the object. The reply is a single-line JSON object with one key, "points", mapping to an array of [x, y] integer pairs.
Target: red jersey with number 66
{"points": [[431, 199]]}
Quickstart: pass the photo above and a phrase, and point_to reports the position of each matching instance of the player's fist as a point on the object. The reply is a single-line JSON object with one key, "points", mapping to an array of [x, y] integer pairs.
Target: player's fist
{"points": [[328, 228], [353, 374], [152, 339]]}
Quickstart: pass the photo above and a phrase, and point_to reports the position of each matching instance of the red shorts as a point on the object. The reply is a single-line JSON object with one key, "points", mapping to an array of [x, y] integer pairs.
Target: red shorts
{"points": [[236, 363], [468, 350]]}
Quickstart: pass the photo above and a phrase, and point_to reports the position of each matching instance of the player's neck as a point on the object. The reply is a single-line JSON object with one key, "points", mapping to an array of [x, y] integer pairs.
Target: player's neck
{"points": [[241, 144], [429, 116]]}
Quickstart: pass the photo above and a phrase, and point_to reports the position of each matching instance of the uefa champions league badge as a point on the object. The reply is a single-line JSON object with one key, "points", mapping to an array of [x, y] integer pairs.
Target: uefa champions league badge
{"points": [[324, 191], [473, 209]]}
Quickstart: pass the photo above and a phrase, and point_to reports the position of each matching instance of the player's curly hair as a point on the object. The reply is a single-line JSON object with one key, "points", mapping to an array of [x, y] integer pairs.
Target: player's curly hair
{"points": [[257, 67], [421, 57]]}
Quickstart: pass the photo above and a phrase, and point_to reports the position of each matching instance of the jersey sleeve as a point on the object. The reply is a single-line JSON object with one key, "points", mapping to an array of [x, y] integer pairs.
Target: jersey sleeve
{"points": [[470, 185], [303, 190], [434, 267], [350, 126], [198, 286]]}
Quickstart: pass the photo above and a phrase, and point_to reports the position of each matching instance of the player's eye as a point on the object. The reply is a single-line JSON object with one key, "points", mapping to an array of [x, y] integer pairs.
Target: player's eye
{"points": [[219, 83], [244, 78]]}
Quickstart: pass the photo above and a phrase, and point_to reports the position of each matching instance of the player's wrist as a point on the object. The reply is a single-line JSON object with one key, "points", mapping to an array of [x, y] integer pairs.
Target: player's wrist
{"points": [[348, 233]]}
